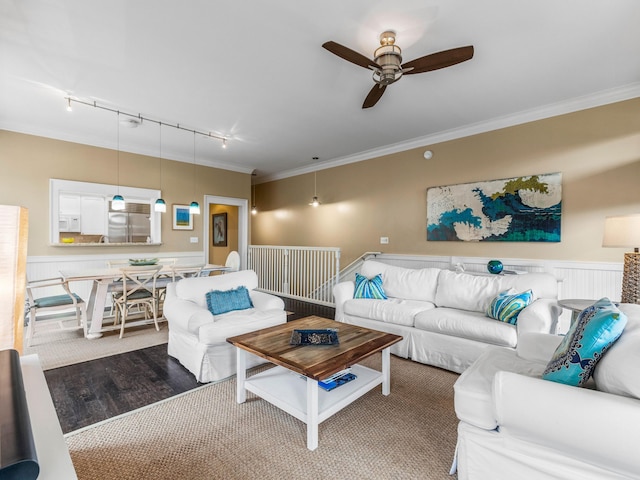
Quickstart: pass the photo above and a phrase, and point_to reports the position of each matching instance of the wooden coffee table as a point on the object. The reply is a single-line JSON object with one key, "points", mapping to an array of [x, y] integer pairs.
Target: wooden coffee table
{"points": [[293, 384]]}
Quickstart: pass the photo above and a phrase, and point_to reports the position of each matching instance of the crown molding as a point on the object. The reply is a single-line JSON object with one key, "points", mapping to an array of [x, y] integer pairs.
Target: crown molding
{"points": [[585, 102]]}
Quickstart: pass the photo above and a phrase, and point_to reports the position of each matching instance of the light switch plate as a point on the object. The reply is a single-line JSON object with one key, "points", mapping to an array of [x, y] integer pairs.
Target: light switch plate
{"points": [[194, 239], [384, 240]]}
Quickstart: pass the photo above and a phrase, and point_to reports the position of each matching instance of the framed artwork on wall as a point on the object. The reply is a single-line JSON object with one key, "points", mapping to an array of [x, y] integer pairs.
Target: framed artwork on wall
{"points": [[219, 226], [520, 209], [182, 218]]}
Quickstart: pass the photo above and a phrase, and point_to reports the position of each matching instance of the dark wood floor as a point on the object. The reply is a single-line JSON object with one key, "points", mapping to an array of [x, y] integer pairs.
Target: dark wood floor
{"points": [[89, 392]]}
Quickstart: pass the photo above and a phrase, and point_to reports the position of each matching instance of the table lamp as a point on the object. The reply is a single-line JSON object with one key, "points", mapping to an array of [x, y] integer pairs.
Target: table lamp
{"points": [[624, 231]]}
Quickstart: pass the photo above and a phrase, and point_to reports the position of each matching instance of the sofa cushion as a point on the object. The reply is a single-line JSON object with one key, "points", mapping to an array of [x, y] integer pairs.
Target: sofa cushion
{"points": [[508, 304], [618, 371], [594, 331], [196, 288], [393, 310], [469, 325], [467, 292], [399, 282], [369, 287], [223, 301], [473, 398], [238, 322]]}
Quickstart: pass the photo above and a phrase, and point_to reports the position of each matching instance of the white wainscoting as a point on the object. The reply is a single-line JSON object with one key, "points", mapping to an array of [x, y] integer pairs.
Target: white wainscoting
{"points": [[39, 267], [586, 280]]}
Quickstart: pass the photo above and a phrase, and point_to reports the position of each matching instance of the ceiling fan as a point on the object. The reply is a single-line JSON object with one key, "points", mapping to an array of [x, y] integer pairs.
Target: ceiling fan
{"points": [[387, 63]]}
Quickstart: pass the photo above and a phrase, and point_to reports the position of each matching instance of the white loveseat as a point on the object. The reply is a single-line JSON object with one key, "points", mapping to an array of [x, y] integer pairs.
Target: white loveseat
{"points": [[513, 424], [441, 314], [197, 338]]}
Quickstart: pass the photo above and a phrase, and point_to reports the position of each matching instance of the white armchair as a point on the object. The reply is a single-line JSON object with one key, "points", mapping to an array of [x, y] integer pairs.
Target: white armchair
{"points": [[198, 339]]}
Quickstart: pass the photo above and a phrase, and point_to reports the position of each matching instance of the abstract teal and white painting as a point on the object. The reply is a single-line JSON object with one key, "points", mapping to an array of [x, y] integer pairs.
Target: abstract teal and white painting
{"points": [[520, 209]]}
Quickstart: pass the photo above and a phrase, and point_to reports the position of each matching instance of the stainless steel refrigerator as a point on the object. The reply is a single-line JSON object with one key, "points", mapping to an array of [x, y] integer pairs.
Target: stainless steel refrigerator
{"points": [[132, 224]]}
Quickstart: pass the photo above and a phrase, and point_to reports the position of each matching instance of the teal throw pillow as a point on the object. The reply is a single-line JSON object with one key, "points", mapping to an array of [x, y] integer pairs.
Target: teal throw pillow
{"points": [[507, 305], [369, 288], [219, 301], [594, 331]]}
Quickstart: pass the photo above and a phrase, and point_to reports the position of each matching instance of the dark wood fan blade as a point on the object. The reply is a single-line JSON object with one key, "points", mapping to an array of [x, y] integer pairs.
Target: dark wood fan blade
{"points": [[438, 60], [350, 55], [374, 95]]}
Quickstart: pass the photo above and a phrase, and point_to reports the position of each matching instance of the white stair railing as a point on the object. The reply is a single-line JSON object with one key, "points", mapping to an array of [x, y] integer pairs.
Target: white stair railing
{"points": [[305, 273]]}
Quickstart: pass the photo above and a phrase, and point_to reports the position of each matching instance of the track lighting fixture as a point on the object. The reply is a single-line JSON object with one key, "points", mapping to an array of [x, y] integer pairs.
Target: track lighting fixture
{"points": [[194, 207], [160, 205], [134, 120], [117, 202]]}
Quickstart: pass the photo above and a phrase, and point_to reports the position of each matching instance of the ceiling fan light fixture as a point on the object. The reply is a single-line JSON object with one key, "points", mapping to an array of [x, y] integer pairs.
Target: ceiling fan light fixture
{"points": [[389, 57]]}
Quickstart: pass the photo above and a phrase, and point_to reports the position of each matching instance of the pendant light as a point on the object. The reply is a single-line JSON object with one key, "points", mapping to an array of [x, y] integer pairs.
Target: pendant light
{"points": [[117, 202], [254, 210], [314, 201], [160, 205], [194, 208]]}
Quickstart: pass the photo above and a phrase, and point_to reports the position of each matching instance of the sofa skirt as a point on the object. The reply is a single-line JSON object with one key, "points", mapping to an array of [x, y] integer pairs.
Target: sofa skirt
{"points": [[208, 363], [483, 454]]}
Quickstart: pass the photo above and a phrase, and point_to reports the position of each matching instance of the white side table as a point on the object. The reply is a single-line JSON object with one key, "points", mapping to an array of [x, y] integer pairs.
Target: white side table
{"points": [[576, 305]]}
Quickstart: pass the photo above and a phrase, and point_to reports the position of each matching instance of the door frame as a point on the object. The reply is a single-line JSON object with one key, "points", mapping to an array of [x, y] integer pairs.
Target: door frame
{"points": [[243, 225]]}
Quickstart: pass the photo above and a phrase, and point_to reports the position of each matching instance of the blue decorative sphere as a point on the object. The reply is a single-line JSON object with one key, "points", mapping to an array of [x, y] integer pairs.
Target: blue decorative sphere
{"points": [[495, 266]]}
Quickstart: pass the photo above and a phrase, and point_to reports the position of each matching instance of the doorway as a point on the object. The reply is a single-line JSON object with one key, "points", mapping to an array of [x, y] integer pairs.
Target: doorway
{"points": [[225, 229]]}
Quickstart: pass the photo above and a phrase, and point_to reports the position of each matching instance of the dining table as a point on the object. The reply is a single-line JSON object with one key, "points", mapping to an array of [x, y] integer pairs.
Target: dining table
{"points": [[105, 278]]}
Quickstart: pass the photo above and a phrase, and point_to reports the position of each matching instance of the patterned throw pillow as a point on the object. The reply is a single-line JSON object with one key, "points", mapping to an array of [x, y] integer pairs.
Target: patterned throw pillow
{"points": [[219, 301], [507, 305], [369, 288], [594, 331]]}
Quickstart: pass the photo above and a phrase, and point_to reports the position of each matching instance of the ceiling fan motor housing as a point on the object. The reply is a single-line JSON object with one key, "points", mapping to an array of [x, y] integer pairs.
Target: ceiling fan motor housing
{"points": [[389, 57]]}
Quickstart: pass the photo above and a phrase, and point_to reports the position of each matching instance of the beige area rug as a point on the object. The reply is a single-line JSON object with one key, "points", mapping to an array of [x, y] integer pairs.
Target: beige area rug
{"points": [[205, 434], [59, 344]]}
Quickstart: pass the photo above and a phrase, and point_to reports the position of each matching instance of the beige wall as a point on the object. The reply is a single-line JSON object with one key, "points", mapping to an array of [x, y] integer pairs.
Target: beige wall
{"points": [[218, 255], [596, 150], [28, 162]]}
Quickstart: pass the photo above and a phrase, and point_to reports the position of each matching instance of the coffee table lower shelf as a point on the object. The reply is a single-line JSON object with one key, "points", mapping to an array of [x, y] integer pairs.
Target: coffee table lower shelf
{"points": [[301, 396], [287, 390]]}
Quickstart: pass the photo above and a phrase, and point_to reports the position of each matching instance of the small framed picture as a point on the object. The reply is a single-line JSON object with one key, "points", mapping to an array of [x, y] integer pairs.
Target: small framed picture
{"points": [[182, 218], [219, 226]]}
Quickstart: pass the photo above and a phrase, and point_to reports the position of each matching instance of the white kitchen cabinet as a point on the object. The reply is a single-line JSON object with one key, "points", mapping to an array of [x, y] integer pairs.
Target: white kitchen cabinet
{"points": [[93, 215], [69, 204]]}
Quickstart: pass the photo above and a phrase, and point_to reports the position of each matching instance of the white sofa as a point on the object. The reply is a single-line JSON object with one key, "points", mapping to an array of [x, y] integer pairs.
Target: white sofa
{"points": [[441, 314], [514, 424], [197, 338]]}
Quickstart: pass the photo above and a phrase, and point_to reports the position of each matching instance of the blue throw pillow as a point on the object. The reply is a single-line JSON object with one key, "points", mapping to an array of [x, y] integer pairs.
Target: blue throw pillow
{"points": [[590, 336], [507, 305], [369, 288], [219, 302]]}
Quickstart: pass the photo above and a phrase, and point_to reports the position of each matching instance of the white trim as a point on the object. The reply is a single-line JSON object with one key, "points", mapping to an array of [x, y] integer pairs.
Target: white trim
{"points": [[243, 224], [597, 99], [57, 186], [33, 259]]}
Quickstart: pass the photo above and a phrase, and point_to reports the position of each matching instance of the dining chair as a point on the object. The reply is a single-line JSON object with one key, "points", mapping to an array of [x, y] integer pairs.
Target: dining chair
{"points": [[179, 272], [53, 303], [233, 262], [138, 289], [176, 272]]}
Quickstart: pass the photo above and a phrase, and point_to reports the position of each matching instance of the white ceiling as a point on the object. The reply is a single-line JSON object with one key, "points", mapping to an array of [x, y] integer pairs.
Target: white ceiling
{"points": [[254, 71]]}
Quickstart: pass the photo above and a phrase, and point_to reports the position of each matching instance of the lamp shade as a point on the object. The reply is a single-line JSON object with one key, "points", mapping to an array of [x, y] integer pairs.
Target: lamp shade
{"points": [[622, 231], [117, 203], [160, 206]]}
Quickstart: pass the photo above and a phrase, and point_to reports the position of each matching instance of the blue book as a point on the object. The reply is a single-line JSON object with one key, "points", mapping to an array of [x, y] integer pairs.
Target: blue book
{"points": [[329, 385]]}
